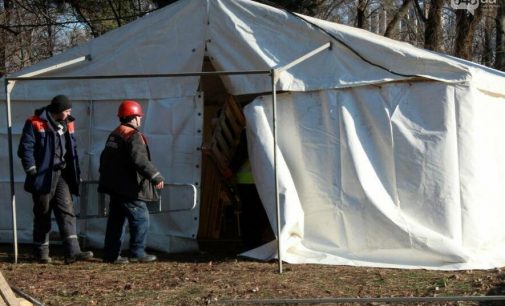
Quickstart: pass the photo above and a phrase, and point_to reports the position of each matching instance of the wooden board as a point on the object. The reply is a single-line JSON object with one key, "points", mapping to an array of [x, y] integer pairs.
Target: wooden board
{"points": [[216, 169], [8, 297]]}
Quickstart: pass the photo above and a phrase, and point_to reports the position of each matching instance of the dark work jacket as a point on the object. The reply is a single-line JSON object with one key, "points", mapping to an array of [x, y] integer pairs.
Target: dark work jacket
{"points": [[37, 149], [126, 170]]}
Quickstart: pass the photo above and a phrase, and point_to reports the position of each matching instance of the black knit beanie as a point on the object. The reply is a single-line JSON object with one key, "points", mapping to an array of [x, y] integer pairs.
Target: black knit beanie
{"points": [[59, 104]]}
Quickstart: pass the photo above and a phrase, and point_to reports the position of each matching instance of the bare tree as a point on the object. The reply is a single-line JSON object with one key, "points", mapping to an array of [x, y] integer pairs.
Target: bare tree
{"points": [[500, 36], [307, 7], [433, 24], [393, 24], [484, 39], [33, 30], [361, 13], [328, 9], [466, 24], [102, 17], [4, 32]]}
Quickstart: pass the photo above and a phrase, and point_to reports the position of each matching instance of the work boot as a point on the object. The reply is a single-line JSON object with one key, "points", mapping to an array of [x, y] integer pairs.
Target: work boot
{"points": [[145, 258], [44, 259], [118, 261], [79, 256]]}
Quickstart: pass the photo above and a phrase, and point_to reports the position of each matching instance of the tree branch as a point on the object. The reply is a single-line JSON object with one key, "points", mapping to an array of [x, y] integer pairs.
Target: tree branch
{"points": [[420, 11], [6, 28], [118, 19], [402, 11]]}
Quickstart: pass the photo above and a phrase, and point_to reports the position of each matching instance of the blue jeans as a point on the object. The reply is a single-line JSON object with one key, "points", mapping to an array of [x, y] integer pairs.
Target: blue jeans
{"points": [[137, 214]]}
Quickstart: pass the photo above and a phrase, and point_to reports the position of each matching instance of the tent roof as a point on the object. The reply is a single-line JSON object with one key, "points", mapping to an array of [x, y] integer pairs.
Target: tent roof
{"points": [[243, 35]]}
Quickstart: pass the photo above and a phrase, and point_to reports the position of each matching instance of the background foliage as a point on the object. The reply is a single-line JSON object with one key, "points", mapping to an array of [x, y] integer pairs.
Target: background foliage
{"points": [[33, 30]]}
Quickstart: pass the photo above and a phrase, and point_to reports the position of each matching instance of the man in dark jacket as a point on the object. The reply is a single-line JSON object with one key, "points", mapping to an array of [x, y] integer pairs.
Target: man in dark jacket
{"points": [[48, 153], [131, 180]]}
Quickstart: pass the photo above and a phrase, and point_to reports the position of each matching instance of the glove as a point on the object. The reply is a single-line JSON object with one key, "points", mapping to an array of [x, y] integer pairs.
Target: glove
{"points": [[32, 171]]}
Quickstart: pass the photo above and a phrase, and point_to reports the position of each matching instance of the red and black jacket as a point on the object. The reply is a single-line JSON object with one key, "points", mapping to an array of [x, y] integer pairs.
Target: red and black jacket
{"points": [[126, 169]]}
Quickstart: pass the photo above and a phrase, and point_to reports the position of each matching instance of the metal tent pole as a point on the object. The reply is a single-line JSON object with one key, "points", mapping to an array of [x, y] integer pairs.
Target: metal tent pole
{"points": [[273, 76], [8, 89]]}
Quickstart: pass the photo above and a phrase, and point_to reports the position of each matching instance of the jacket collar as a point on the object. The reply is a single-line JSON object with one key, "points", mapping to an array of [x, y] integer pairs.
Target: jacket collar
{"points": [[43, 114], [129, 125]]}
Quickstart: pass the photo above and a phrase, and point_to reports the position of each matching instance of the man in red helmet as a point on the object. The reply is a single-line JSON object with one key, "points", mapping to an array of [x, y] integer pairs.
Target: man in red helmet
{"points": [[129, 177]]}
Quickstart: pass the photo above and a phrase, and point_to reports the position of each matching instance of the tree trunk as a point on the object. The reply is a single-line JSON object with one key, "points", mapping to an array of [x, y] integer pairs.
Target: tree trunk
{"points": [[500, 36], [487, 50], [360, 16], [393, 24], [116, 14], [433, 31], [465, 31], [3, 37]]}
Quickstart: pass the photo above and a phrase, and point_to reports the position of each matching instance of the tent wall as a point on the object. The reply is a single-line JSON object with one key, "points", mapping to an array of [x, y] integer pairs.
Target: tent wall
{"points": [[399, 175]]}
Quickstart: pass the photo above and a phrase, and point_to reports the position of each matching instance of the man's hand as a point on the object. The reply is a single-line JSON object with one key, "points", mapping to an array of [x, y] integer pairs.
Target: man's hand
{"points": [[32, 171], [160, 185]]}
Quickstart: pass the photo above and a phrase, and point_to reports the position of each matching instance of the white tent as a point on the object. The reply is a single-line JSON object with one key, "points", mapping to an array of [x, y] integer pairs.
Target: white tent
{"points": [[389, 155]]}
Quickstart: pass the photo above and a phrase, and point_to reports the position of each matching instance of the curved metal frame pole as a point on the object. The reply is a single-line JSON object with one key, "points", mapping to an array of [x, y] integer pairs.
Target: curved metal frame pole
{"points": [[273, 76], [8, 88]]}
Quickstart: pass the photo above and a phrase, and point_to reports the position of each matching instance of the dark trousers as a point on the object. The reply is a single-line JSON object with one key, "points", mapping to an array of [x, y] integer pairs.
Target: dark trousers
{"points": [[137, 214], [59, 201], [254, 224]]}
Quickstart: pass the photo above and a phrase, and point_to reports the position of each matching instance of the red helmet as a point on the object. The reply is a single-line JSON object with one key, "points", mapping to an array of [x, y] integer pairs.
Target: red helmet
{"points": [[129, 108]]}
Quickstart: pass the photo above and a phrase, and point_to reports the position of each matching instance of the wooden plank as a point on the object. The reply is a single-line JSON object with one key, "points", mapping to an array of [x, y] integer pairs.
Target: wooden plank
{"points": [[215, 191], [6, 292], [211, 209], [227, 133], [207, 207], [235, 110], [233, 123], [219, 158], [225, 147], [23, 302]]}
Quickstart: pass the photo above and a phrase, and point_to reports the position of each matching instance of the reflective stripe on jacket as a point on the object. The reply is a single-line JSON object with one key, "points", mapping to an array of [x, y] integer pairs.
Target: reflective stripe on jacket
{"points": [[37, 149], [244, 174]]}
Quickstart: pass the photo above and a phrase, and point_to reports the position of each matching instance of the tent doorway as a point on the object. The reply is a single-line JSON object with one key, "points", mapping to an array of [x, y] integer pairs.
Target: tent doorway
{"points": [[223, 216]]}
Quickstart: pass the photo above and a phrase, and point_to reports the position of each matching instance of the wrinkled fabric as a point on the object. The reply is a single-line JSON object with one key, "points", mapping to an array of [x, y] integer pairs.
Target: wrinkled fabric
{"points": [[406, 175]]}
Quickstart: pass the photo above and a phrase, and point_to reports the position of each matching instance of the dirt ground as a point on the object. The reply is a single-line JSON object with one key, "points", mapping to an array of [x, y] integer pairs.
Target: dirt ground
{"points": [[217, 275]]}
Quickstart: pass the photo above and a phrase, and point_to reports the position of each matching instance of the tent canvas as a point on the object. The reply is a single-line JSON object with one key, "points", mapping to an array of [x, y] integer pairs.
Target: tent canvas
{"points": [[389, 155]]}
